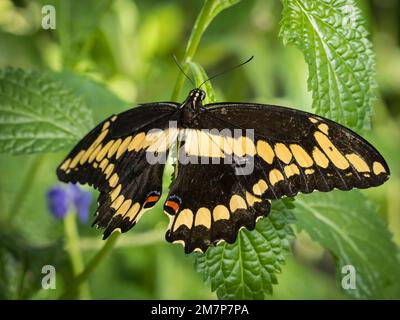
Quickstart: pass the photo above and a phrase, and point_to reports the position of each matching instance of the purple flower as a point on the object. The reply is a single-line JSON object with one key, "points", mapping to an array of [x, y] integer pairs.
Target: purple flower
{"points": [[62, 199], [57, 202], [82, 205]]}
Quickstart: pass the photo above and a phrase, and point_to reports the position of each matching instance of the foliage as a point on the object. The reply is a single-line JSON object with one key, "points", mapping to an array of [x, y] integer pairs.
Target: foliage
{"points": [[247, 269], [347, 224], [38, 114], [334, 41]]}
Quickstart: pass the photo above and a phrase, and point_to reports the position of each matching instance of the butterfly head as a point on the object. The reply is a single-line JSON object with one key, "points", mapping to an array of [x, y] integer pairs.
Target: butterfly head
{"points": [[195, 98]]}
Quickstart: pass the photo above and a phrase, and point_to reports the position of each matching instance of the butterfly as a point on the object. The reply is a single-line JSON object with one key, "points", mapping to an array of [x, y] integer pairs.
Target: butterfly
{"points": [[232, 159]]}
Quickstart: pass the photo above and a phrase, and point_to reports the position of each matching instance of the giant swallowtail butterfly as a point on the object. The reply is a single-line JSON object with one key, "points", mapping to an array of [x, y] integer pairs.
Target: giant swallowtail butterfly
{"points": [[213, 193]]}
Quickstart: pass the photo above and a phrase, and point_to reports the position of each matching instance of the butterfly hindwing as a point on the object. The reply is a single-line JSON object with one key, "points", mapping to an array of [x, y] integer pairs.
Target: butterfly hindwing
{"points": [[207, 203], [113, 158]]}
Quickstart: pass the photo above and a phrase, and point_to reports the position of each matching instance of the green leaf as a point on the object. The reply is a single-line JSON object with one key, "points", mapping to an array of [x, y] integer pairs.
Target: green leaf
{"points": [[333, 39], [75, 27], [247, 269], [97, 97], [77, 23], [199, 77], [37, 114], [218, 5], [348, 225]]}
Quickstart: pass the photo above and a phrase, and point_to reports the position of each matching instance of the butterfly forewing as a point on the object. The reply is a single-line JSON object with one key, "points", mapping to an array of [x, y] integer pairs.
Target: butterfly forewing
{"points": [[300, 152], [112, 158]]}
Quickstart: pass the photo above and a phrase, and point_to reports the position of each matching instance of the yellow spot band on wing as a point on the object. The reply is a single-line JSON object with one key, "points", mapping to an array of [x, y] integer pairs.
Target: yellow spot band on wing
{"points": [[309, 171], [86, 155], [103, 164], [94, 153], [243, 145], [100, 138], [133, 211], [113, 149], [291, 170], [117, 202], [124, 207], [102, 153], [185, 217], [260, 187], [324, 128], [109, 170], [378, 168], [122, 148], [236, 203], [301, 156], [331, 151], [105, 125], [137, 142], [113, 180], [320, 159], [220, 212], [275, 176], [65, 165], [251, 200], [264, 150], [283, 153], [76, 159], [358, 163], [203, 217], [114, 193]]}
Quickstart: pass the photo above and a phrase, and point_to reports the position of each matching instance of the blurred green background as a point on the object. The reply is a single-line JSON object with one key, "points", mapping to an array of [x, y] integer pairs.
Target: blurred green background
{"points": [[126, 46]]}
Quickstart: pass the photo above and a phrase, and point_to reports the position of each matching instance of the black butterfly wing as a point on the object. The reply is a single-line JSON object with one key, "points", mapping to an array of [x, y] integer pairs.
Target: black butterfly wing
{"points": [[289, 152], [207, 203], [209, 200], [296, 151], [113, 158]]}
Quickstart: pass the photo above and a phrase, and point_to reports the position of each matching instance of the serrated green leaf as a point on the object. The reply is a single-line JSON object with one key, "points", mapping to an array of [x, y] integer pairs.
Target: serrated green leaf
{"points": [[348, 225], [335, 44], [199, 77], [37, 114], [96, 96], [247, 269]]}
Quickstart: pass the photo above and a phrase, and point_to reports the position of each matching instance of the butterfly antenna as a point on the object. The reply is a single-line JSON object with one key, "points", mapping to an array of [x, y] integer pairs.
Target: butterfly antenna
{"points": [[225, 71], [180, 68]]}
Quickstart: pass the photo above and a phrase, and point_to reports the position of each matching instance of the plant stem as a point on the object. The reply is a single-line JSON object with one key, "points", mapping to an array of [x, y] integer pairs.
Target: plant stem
{"points": [[25, 188], [72, 247], [92, 265], [203, 20]]}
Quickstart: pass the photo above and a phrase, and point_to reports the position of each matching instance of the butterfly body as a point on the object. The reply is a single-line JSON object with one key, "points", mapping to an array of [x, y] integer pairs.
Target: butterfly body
{"points": [[232, 160], [190, 109]]}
